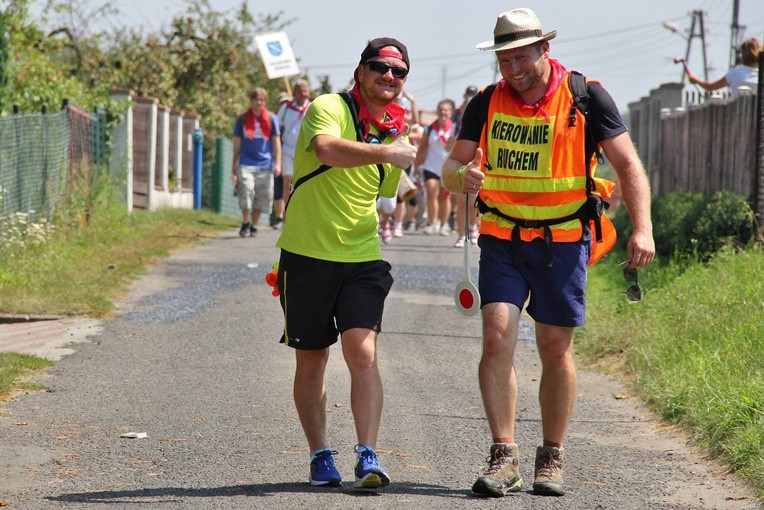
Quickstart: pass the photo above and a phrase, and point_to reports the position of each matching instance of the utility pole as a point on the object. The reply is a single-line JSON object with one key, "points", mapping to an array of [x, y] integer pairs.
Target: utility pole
{"points": [[443, 82], [734, 35], [697, 21]]}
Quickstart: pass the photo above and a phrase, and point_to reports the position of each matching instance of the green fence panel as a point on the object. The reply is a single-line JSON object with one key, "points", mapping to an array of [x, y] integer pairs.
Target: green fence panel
{"points": [[224, 201], [40, 155], [34, 157]]}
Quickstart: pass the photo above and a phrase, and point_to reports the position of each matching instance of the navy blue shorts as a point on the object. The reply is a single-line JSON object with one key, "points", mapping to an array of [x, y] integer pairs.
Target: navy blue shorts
{"points": [[321, 298], [557, 294]]}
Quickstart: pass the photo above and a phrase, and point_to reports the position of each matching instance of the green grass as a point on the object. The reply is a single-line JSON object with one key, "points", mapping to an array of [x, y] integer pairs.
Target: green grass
{"points": [[79, 271], [14, 368], [692, 349]]}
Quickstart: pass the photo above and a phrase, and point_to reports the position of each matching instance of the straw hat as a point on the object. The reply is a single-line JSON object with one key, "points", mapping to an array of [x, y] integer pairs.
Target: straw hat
{"points": [[516, 28]]}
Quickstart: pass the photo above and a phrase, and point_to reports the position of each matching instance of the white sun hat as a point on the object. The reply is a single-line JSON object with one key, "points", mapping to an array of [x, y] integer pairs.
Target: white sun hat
{"points": [[516, 28]]}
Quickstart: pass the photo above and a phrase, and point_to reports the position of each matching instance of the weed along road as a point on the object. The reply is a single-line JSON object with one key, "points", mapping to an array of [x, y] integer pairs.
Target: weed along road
{"points": [[192, 362]]}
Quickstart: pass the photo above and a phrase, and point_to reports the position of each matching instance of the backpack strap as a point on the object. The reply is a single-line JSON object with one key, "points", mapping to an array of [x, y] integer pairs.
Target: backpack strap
{"points": [[482, 115], [583, 213], [350, 102], [580, 90], [358, 125]]}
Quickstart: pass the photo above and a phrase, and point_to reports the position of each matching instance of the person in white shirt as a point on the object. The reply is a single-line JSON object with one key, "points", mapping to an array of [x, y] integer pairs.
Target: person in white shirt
{"points": [[290, 115], [438, 139], [744, 74]]}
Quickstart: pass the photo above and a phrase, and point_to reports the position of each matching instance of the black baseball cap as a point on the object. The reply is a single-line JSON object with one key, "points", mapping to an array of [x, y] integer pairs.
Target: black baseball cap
{"points": [[374, 47]]}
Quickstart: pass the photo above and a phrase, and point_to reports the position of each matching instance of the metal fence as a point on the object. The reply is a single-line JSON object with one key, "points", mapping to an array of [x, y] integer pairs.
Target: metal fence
{"points": [[40, 155]]}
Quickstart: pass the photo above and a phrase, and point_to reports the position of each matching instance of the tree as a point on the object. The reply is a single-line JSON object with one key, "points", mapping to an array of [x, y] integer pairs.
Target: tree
{"points": [[204, 62], [37, 74], [3, 56]]}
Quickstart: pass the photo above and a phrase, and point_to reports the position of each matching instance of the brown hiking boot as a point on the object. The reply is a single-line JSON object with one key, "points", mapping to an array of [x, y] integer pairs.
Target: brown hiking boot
{"points": [[547, 475], [503, 473]]}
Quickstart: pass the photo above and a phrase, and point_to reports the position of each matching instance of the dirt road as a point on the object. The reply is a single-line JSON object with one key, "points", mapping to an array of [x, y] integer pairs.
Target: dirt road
{"points": [[193, 361]]}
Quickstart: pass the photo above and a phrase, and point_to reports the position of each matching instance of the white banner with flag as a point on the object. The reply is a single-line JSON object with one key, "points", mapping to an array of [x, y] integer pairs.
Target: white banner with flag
{"points": [[277, 55]]}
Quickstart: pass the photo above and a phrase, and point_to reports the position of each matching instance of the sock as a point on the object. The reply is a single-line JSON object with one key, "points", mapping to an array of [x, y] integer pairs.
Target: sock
{"points": [[316, 452], [362, 447], [552, 444], [505, 440]]}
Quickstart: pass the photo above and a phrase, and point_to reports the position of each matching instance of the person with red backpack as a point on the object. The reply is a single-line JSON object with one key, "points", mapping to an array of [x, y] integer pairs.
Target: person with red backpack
{"points": [[528, 146]]}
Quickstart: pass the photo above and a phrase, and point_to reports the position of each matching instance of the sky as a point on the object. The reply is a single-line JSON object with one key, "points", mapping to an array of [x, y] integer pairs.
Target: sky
{"points": [[623, 44]]}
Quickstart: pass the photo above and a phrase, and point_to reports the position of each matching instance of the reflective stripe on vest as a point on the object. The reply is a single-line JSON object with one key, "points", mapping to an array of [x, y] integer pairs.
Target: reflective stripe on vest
{"points": [[533, 165]]}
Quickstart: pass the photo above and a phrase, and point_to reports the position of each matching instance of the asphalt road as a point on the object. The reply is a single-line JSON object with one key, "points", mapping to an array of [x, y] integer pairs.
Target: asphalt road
{"points": [[193, 361]]}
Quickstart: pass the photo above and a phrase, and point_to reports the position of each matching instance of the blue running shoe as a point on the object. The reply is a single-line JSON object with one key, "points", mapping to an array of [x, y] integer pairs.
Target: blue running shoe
{"points": [[368, 473], [323, 470]]}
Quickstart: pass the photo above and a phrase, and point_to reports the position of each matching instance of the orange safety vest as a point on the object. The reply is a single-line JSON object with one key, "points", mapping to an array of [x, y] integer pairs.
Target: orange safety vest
{"points": [[533, 165]]}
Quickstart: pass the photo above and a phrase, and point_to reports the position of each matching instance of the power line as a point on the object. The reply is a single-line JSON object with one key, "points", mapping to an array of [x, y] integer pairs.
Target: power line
{"points": [[440, 58]]}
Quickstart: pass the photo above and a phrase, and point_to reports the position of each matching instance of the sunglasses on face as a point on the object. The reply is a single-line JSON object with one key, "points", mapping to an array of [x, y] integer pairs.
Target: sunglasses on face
{"points": [[382, 68], [634, 293]]}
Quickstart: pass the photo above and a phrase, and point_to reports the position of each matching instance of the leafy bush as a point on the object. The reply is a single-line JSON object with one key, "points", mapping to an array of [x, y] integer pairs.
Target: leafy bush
{"points": [[674, 217], [694, 224], [727, 219]]}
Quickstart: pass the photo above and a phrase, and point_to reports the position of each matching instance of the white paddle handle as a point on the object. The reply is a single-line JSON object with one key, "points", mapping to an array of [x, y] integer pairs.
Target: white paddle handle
{"points": [[467, 237]]}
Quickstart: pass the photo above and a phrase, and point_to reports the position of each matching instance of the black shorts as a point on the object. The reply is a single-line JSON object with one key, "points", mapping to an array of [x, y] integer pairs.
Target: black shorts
{"points": [[427, 175], [321, 298], [278, 188]]}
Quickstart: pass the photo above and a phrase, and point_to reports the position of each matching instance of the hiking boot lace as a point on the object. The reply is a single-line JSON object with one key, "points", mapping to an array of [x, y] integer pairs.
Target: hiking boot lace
{"points": [[496, 461], [548, 464]]}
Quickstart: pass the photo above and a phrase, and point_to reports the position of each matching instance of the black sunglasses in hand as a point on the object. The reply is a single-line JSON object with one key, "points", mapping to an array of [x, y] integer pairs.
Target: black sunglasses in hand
{"points": [[382, 68], [634, 293]]}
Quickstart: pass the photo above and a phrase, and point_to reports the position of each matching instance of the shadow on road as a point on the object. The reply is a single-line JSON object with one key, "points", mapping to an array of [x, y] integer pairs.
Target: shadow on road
{"points": [[170, 494]]}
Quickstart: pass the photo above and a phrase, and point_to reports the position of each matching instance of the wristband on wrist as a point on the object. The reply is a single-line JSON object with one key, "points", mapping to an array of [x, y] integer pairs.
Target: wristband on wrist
{"points": [[459, 176]]}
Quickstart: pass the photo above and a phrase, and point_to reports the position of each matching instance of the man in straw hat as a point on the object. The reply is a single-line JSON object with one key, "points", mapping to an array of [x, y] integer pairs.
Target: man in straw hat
{"points": [[518, 151], [331, 273]]}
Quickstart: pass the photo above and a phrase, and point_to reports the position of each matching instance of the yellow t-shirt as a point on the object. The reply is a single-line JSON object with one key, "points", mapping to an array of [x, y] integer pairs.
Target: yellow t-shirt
{"points": [[333, 216]]}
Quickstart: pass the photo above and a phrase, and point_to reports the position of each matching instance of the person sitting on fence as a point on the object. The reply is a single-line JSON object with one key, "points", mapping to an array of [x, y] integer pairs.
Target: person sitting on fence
{"points": [[744, 74]]}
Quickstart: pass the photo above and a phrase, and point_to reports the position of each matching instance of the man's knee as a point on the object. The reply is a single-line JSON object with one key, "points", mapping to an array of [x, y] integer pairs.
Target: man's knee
{"points": [[359, 349], [311, 362]]}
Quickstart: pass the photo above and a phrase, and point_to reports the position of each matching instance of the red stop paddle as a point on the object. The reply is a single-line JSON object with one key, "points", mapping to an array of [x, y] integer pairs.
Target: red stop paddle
{"points": [[466, 296]]}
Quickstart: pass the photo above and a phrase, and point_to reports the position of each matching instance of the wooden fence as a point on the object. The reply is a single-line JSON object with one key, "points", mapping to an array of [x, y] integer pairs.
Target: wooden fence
{"points": [[694, 142]]}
